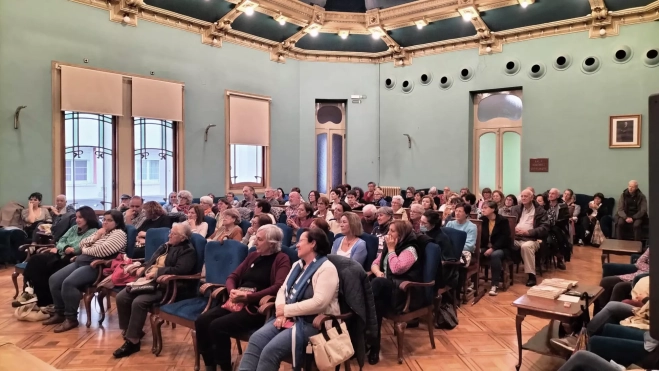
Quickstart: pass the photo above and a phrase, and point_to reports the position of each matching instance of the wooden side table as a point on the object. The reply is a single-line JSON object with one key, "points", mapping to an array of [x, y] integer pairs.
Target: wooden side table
{"points": [[619, 247]]}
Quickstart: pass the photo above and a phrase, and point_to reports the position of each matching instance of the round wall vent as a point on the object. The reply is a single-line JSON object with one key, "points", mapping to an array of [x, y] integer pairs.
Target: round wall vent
{"points": [[425, 78], [537, 71], [562, 62], [466, 73], [622, 54], [389, 83], [445, 82], [407, 86], [511, 67], [590, 65], [651, 58]]}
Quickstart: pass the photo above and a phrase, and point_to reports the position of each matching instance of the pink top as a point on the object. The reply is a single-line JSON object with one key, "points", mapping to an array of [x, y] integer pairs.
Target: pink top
{"points": [[642, 264], [399, 264]]}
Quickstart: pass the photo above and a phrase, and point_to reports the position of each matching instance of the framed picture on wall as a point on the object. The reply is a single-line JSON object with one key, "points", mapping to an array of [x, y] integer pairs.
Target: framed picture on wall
{"points": [[625, 131]]}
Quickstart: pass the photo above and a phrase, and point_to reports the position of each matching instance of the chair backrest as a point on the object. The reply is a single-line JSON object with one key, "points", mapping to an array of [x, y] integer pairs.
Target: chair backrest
{"points": [[288, 234], [372, 244], [212, 223], [244, 225], [199, 244], [458, 239], [131, 237], [477, 246], [155, 237], [433, 258], [299, 233], [291, 252], [222, 259], [512, 222], [196, 200]]}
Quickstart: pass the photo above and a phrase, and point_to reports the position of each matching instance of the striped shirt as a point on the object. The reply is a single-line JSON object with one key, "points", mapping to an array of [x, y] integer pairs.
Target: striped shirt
{"points": [[109, 244]]}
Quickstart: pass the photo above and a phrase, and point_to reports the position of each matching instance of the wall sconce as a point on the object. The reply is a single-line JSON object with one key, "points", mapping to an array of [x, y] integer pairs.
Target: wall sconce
{"points": [[409, 140], [206, 132], [17, 120]]}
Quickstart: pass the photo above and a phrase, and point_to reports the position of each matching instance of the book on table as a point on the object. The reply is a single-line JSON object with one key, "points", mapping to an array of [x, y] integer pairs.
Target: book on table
{"points": [[549, 292], [559, 282]]}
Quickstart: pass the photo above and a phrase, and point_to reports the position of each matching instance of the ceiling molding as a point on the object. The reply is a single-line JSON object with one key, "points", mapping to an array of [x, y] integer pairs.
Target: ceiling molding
{"points": [[379, 21]]}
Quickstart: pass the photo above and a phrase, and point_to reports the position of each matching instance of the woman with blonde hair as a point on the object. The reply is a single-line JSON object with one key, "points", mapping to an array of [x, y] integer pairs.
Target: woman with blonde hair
{"points": [[499, 198], [428, 203], [350, 245]]}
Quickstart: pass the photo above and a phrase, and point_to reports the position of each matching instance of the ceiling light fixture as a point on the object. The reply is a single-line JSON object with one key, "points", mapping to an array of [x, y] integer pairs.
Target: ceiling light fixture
{"points": [[249, 11], [313, 32], [126, 18], [282, 21], [376, 35], [344, 34], [467, 16], [214, 40], [525, 3], [488, 49], [247, 6], [421, 23], [602, 31]]}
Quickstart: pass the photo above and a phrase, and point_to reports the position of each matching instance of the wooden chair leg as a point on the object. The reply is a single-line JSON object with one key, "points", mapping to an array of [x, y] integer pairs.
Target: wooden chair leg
{"points": [[400, 334], [154, 336], [431, 327], [476, 284], [240, 347], [87, 297], [465, 287], [158, 331], [14, 279], [196, 350], [99, 298]]}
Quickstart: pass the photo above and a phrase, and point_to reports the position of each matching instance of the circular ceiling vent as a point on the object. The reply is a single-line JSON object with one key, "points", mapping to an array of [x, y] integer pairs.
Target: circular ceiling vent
{"points": [[511, 67], [651, 58], [562, 62], [466, 74], [425, 78], [590, 65], [445, 82], [622, 54], [389, 83], [407, 86], [537, 71]]}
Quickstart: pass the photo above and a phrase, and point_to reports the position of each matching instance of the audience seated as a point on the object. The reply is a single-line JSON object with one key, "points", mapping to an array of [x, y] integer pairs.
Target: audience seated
{"points": [[399, 261], [263, 207], [270, 196], [353, 200], [310, 288], [59, 212], [470, 199], [249, 198], [462, 223], [196, 220], [339, 209], [385, 215], [34, 215], [154, 217], [532, 227], [294, 200], [124, 202], [229, 229], [509, 202], [47, 261], [432, 192], [176, 257], [558, 216], [378, 198], [257, 222], [591, 222], [632, 211], [418, 196], [313, 199], [428, 203], [281, 196], [486, 195], [359, 195], [499, 199], [323, 209], [496, 243], [368, 196], [350, 245], [443, 198], [231, 198], [397, 206], [206, 203], [416, 211], [172, 201], [409, 197], [302, 219], [369, 218], [65, 284], [184, 202], [616, 278]]}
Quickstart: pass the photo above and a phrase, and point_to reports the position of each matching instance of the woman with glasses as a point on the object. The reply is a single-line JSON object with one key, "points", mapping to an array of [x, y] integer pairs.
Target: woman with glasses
{"points": [[184, 202]]}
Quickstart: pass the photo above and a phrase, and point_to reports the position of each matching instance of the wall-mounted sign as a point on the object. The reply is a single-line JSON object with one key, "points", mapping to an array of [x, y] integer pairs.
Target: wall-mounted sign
{"points": [[539, 165]]}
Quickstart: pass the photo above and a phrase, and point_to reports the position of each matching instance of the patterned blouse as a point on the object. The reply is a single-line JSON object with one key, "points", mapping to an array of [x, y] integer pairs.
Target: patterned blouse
{"points": [[642, 264]]}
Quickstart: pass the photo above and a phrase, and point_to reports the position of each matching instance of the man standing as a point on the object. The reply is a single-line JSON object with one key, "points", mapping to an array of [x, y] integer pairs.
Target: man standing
{"points": [[135, 215], [632, 210], [249, 200], [532, 227]]}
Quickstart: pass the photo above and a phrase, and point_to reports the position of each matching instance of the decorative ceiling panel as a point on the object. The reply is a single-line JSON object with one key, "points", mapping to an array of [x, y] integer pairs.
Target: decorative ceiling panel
{"points": [[446, 29], [542, 11], [332, 42], [616, 5], [205, 10], [261, 25]]}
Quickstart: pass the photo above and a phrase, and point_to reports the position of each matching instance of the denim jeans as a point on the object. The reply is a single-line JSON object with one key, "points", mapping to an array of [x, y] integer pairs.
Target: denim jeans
{"points": [[613, 312], [269, 346], [623, 345], [586, 361], [495, 264], [66, 285]]}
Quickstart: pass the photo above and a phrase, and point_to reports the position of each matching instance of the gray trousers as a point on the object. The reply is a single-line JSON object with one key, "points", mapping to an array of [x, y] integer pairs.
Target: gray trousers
{"points": [[66, 285], [528, 250], [584, 360], [133, 309]]}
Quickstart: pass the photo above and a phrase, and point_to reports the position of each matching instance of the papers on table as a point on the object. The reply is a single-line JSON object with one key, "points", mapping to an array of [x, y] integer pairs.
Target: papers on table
{"points": [[569, 299]]}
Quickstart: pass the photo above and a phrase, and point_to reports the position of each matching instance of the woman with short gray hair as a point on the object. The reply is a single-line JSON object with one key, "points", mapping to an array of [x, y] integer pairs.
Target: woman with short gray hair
{"points": [[262, 273], [397, 205], [206, 203], [184, 202]]}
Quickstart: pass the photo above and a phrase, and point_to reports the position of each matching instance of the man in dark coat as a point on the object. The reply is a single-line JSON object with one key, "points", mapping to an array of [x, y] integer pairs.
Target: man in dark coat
{"points": [[632, 210]]}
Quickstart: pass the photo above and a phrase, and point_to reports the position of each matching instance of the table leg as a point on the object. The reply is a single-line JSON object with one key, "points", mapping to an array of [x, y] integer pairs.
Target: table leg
{"points": [[518, 327]]}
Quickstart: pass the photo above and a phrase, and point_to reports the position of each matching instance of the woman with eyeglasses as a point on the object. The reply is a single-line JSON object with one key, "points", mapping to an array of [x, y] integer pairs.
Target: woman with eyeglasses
{"points": [[323, 209], [184, 202]]}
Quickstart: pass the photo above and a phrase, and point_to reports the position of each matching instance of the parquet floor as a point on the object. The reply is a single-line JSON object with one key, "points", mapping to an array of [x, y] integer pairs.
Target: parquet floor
{"points": [[484, 340]]}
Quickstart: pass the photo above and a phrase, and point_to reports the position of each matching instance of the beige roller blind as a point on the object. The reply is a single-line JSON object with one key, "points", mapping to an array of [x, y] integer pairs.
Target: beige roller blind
{"points": [[156, 99], [90, 91], [249, 121]]}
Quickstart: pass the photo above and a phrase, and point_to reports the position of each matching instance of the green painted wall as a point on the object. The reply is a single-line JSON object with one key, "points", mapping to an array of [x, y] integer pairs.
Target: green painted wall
{"points": [[565, 117], [32, 33]]}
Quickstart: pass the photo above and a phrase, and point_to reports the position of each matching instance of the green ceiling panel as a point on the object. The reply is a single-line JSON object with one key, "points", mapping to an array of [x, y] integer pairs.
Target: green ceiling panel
{"points": [[205, 10], [332, 42], [542, 11], [261, 25], [615, 5], [446, 29]]}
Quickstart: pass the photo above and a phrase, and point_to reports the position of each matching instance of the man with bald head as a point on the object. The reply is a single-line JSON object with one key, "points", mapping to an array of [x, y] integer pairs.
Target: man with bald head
{"points": [[57, 213], [294, 200], [271, 196], [632, 211], [559, 223], [532, 227]]}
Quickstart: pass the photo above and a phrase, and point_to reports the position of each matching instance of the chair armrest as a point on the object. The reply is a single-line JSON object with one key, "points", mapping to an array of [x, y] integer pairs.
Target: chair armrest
{"points": [[166, 278], [268, 310], [219, 291], [406, 285], [26, 248], [101, 263], [204, 288], [267, 299], [320, 319], [615, 269], [99, 267]]}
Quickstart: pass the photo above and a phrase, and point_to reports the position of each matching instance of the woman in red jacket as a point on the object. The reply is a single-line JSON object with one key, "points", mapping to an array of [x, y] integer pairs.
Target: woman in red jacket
{"points": [[261, 273]]}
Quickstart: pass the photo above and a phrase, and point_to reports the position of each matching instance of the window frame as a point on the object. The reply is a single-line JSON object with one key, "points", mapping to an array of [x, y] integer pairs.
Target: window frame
{"points": [[259, 187], [124, 150], [176, 152]]}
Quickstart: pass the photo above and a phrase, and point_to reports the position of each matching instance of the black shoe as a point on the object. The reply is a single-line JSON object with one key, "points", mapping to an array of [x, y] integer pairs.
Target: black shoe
{"points": [[531, 281], [127, 349], [374, 356], [561, 265]]}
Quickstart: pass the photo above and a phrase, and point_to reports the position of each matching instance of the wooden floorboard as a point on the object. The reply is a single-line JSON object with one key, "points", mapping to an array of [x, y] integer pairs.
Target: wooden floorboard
{"points": [[484, 340]]}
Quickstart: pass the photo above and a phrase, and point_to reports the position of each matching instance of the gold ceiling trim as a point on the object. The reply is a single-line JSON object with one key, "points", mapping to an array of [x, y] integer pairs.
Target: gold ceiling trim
{"points": [[312, 18]]}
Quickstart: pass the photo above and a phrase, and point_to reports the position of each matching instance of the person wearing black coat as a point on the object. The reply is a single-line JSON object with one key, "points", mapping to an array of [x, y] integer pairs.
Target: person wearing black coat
{"points": [[496, 240], [176, 257]]}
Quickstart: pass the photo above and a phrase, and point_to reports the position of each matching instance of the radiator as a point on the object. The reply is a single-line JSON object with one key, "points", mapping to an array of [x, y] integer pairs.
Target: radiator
{"points": [[391, 191]]}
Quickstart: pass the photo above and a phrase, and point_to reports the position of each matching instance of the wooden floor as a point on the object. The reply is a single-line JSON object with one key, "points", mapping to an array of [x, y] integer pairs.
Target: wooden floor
{"points": [[484, 340]]}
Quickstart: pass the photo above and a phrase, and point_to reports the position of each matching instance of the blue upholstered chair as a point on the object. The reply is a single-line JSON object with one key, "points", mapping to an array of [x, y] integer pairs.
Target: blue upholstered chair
{"points": [[212, 223], [431, 262], [330, 236], [288, 234], [244, 225], [372, 245], [221, 260]]}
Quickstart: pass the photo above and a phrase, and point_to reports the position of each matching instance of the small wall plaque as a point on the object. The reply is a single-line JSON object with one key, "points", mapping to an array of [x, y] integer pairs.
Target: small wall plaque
{"points": [[539, 165]]}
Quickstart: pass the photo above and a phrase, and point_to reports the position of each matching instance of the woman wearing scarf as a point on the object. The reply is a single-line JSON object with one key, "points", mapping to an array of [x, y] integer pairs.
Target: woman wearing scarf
{"points": [[398, 262], [311, 288]]}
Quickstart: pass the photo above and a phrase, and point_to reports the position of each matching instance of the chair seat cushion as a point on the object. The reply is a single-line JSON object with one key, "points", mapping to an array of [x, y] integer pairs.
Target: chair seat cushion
{"points": [[188, 309], [21, 265]]}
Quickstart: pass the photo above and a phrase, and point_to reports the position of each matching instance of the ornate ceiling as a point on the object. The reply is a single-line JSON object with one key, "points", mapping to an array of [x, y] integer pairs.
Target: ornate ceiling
{"points": [[379, 31]]}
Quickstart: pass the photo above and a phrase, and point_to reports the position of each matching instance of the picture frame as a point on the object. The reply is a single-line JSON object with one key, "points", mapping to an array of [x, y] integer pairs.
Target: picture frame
{"points": [[625, 131]]}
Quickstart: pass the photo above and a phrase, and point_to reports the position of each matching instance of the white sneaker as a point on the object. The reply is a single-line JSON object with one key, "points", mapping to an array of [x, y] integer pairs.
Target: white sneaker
{"points": [[493, 291]]}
